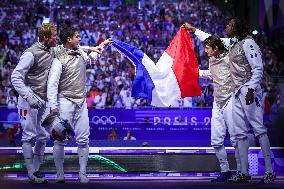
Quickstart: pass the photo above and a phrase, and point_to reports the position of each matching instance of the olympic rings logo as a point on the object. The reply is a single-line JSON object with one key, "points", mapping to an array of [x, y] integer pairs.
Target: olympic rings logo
{"points": [[103, 120]]}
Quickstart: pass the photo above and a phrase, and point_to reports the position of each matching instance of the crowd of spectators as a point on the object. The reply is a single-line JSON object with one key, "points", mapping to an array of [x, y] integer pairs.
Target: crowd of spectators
{"points": [[149, 25]]}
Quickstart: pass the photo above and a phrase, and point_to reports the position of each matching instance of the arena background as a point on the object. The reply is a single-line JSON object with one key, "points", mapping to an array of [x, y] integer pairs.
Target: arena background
{"points": [[172, 145], [149, 25]]}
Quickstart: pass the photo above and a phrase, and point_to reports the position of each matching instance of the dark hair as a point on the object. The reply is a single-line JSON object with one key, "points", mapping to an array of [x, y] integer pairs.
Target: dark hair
{"points": [[65, 33], [215, 42], [241, 28]]}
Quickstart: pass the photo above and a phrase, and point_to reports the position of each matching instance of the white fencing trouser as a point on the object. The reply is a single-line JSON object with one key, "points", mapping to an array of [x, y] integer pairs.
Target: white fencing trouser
{"points": [[30, 120], [245, 115], [221, 120], [78, 118]]}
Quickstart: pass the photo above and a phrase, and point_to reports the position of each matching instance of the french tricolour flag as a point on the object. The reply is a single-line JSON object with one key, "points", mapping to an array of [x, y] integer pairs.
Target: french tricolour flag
{"points": [[174, 76]]}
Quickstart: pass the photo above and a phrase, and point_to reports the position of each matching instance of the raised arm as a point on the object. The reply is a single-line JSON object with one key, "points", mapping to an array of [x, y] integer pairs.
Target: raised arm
{"points": [[83, 48], [96, 51], [201, 35]]}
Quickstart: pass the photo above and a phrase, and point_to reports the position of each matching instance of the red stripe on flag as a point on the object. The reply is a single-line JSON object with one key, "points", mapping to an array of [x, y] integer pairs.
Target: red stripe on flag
{"points": [[185, 64]]}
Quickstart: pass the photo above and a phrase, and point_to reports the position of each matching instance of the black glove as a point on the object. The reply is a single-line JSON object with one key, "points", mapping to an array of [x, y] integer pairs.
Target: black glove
{"points": [[250, 96]]}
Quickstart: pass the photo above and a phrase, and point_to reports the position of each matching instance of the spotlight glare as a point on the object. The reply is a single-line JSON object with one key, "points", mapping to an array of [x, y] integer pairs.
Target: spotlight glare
{"points": [[254, 32]]}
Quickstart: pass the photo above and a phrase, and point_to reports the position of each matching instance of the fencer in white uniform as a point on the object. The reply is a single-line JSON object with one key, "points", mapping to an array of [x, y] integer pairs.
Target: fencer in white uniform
{"points": [[66, 91], [246, 68], [29, 78], [221, 120], [247, 72]]}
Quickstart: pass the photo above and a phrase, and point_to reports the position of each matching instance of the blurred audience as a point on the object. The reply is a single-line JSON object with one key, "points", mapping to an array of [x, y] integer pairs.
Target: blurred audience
{"points": [[150, 26]]}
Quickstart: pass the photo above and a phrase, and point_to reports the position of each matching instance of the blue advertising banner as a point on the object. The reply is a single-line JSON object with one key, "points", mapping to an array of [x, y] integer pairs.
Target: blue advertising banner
{"points": [[145, 124]]}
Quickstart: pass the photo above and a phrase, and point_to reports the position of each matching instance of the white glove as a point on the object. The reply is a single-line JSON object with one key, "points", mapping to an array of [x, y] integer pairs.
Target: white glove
{"points": [[35, 101]]}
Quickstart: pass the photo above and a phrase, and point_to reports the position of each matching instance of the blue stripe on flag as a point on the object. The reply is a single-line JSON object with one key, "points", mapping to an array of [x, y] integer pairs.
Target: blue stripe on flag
{"points": [[142, 84]]}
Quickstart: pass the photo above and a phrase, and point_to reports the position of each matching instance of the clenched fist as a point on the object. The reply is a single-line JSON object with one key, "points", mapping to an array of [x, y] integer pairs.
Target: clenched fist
{"points": [[189, 27], [250, 96]]}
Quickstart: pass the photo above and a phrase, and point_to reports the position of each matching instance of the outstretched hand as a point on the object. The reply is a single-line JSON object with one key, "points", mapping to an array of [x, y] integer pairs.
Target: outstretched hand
{"points": [[107, 41], [99, 49]]}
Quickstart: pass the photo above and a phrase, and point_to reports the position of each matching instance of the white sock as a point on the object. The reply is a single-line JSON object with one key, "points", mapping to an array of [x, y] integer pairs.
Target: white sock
{"points": [[222, 157], [28, 157], [83, 153], [237, 156], [58, 155], [243, 146], [38, 154], [265, 147]]}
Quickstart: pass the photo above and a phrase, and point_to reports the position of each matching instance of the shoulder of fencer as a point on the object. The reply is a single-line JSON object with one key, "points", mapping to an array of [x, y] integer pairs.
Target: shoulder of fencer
{"points": [[250, 43], [30, 49], [27, 54], [24, 65]]}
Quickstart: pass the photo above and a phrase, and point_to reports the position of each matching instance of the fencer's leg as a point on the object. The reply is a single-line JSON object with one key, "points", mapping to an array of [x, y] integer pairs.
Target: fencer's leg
{"points": [[28, 120], [265, 147], [228, 117], [83, 153], [242, 175], [225, 174], [82, 132], [28, 157], [254, 113], [38, 154], [238, 161], [243, 146], [222, 158], [58, 155], [41, 138], [240, 130], [34, 177], [269, 175], [66, 108], [218, 133]]}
